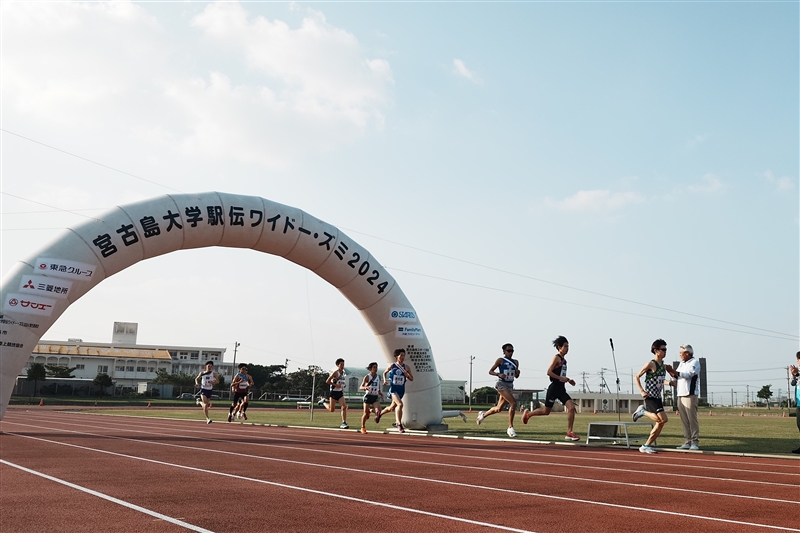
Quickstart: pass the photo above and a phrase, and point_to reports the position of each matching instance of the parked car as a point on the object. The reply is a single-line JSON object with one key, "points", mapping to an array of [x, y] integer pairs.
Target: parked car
{"points": [[186, 396], [295, 398]]}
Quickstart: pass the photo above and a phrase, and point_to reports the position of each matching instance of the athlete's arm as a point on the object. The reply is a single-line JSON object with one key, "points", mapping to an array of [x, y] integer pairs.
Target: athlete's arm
{"points": [[645, 369], [495, 366], [550, 370]]}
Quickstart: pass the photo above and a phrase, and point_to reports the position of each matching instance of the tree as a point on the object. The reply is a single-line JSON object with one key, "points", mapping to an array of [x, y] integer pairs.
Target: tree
{"points": [[765, 394], [301, 381], [102, 381], [59, 371], [163, 377], [263, 375], [482, 395], [36, 373]]}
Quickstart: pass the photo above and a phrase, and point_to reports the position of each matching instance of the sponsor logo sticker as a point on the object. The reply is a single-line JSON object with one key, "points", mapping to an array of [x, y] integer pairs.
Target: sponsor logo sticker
{"points": [[64, 268], [31, 304], [402, 314], [409, 332], [45, 286]]}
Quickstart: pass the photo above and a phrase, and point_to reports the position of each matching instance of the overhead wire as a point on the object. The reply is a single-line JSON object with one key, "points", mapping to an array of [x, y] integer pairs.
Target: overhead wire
{"points": [[782, 336]]}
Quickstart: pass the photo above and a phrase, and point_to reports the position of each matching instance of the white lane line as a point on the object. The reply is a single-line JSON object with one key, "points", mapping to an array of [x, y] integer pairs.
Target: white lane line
{"points": [[400, 476], [583, 457], [240, 478], [204, 436], [123, 503]]}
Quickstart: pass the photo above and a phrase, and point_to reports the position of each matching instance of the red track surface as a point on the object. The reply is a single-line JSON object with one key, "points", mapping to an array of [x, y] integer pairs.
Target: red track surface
{"points": [[110, 473]]}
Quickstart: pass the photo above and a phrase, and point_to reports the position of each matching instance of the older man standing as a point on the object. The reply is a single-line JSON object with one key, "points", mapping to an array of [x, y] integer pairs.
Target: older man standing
{"points": [[687, 376]]}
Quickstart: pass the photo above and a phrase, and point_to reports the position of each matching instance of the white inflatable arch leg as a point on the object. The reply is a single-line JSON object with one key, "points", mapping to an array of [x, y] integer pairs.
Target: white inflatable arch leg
{"points": [[35, 292]]}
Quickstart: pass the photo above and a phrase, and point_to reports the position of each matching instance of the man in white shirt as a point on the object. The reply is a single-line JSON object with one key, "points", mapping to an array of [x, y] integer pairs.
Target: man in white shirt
{"points": [[687, 377]]}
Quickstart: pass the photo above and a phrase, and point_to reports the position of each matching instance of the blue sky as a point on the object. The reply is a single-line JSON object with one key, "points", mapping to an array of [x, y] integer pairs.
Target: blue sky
{"points": [[524, 170]]}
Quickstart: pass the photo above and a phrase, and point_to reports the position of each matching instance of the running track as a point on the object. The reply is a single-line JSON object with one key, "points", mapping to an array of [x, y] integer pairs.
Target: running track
{"points": [[72, 472]]}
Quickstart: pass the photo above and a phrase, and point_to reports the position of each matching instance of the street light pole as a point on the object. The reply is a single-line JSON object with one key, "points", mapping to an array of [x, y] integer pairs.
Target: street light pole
{"points": [[471, 358]]}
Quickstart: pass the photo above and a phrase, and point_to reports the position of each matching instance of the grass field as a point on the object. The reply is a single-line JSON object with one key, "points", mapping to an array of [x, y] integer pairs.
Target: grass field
{"points": [[759, 431]]}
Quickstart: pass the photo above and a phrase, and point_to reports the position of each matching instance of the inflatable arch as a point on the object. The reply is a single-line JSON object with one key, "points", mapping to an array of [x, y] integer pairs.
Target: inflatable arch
{"points": [[37, 291]]}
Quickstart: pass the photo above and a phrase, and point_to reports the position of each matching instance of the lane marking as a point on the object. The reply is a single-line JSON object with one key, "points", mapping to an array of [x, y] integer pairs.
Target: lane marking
{"points": [[205, 437], [540, 453], [112, 499], [372, 473], [240, 478]]}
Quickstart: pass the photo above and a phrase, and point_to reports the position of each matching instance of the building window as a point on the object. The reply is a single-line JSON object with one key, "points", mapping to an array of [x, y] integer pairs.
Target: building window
{"points": [[119, 368], [195, 356], [141, 369], [79, 367], [183, 355], [102, 369], [128, 369], [151, 369]]}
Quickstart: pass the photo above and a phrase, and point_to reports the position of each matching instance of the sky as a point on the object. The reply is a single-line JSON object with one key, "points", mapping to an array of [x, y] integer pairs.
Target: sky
{"points": [[524, 170]]}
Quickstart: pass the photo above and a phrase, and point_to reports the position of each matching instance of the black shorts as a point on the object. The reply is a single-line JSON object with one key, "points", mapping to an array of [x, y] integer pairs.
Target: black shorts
{"points": [[238, 397], [556, 391], [335, 395], [653, 405], [369, 399]]}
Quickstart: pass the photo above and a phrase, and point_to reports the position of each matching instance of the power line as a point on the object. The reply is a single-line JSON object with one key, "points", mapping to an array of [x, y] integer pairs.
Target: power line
{"points": [[571, 287], [792, 337]]}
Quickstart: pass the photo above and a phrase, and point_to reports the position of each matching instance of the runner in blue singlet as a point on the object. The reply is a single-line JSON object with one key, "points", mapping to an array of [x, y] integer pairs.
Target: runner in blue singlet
{"points": [[396, 376]]}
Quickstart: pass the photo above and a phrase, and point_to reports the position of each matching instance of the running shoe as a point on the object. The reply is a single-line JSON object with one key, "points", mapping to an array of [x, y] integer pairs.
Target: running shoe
{"points": [[571, 436], [363, 430], [321, 403], [645, 448], [208, 420], [344, 426], [684, 446], [230, 418], [639, 413], [694, 447], [378, 418], [480, 418], [511, 432], [525, 416], [401, 429]]}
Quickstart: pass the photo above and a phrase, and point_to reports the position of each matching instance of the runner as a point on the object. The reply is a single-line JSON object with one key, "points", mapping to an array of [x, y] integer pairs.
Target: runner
{"points": [[206, 379], [240, 387], [372, 403], [336, 394], [506, 369], [396, 376], [557, 372], [655, 374]]}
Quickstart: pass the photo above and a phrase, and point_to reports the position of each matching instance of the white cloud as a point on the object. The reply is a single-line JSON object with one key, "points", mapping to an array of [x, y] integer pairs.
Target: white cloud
{"points": [[784, 183], [274, 94], [602, 201], [709, 183], [697, 141], [460, 69]]}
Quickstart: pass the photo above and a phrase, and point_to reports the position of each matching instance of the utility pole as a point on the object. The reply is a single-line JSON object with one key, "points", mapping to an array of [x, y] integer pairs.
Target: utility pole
{"points": [[747, 388], [235, 347], [471, 359], [788, 390], [732, 398]]}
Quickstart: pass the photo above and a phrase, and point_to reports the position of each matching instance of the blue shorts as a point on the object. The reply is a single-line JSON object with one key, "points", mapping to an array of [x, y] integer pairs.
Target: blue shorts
{"points": [[400, 391], [206, 393]]}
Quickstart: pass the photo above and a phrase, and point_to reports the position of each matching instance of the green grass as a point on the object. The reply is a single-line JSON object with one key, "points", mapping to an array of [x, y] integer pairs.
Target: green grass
{"points": [[760, 431]]}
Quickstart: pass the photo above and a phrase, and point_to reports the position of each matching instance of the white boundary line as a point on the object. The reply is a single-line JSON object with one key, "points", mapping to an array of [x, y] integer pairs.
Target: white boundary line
{"points": [[110, 498], [370, 472], [240, 478]]}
